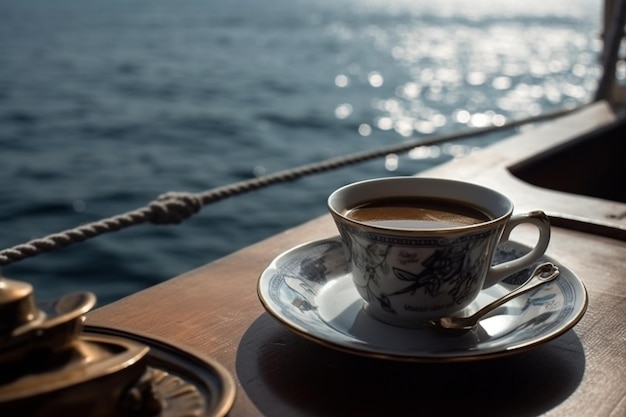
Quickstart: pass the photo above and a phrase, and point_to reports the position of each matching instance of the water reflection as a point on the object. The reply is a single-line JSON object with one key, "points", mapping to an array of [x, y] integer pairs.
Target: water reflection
{"points": [[375, 79], [342, 111], [485, 72], [365, 129], [342, 80]]}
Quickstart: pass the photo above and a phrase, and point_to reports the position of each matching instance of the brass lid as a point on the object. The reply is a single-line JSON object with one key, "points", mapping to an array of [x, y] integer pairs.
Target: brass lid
{"points": [[17, 306], [48, 369], [26, 329]]}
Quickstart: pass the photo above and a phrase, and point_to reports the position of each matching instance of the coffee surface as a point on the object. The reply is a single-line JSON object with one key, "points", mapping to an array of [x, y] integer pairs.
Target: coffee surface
{"points": [[417, 214]]}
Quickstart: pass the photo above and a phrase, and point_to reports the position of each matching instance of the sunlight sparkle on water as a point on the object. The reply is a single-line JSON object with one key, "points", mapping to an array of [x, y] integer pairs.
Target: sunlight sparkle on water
{"points": [[404, 127], [454, 150], [410, 90], [342, 80], [385, 123], [375, 79], [391, 162], [365, 129], [425, 127], [476, 78], [486, 72], [501, 83], [342, 111], [425, 152]]}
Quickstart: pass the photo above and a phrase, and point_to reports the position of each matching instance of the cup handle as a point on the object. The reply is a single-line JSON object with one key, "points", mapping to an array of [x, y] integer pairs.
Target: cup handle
{"points": [[540, 220]]}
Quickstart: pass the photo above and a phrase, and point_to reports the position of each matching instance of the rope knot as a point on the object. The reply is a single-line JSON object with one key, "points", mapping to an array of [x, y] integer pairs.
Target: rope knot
{"points": [[174, 207]]}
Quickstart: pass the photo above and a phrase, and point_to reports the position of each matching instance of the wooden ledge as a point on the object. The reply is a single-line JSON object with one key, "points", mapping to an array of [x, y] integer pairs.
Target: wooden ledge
{"points": [[493, 167]]}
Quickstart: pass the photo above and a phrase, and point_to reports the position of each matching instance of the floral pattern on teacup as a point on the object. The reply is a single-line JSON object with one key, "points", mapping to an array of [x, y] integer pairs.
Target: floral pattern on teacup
{"points": [[440, 268]]}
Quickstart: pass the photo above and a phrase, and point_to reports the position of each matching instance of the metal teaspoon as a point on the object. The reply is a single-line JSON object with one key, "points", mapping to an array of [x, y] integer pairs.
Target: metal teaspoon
{"points": [[543, 273]]}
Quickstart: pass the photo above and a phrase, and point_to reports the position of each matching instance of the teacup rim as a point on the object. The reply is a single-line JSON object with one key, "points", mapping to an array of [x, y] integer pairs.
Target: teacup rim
{"points": [[447, 230]]}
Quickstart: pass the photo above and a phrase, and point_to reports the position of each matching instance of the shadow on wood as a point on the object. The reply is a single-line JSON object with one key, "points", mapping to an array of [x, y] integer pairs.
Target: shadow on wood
{"points": [[280, 371]]}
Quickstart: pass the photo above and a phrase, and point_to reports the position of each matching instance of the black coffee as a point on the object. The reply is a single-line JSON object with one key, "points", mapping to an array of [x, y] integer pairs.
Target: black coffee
{"points": [[417, 214]]}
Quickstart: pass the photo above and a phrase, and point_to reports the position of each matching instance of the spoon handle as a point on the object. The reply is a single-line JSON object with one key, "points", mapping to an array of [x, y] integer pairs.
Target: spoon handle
{"points": [[543, 273]]}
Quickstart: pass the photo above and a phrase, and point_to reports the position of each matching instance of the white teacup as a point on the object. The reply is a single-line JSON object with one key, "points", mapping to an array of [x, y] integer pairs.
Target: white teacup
{"points": [[422, 248]]}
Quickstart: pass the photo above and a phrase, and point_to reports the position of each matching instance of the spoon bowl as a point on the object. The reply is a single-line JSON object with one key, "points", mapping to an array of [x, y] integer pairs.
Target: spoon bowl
{"points": [[542, 274]]}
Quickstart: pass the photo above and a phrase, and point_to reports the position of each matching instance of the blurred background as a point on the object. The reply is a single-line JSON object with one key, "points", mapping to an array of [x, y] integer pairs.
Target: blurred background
{"points": [[104, 105]]}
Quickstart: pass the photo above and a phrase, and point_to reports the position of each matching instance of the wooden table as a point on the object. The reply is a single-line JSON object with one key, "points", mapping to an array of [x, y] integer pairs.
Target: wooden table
{"points": [[215, 310]]}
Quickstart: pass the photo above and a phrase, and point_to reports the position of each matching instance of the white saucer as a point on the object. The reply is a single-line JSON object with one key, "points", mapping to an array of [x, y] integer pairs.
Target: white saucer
{"points": [[309, 289]]}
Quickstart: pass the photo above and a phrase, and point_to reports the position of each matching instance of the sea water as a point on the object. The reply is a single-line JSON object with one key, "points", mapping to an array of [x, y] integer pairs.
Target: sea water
{"points": [[104, 105]]}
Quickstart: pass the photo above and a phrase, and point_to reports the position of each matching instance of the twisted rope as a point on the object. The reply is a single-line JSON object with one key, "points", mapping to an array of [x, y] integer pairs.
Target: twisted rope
{"points": [[175, 207]]}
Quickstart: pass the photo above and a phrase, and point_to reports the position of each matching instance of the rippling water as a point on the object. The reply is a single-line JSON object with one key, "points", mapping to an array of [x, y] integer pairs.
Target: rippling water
{"points": [[106, 104]]}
